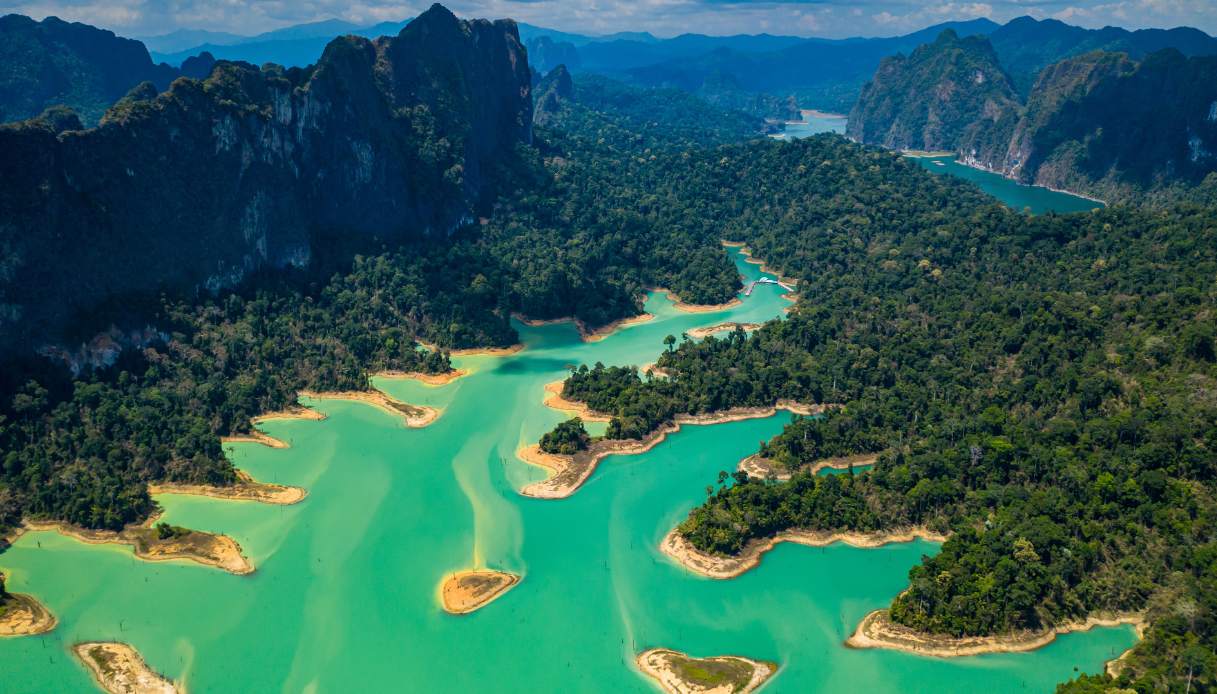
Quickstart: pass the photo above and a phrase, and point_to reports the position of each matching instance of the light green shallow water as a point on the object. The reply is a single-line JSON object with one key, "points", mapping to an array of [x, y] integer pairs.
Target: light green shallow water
{"points": [[345, 595], [1016, 195]]}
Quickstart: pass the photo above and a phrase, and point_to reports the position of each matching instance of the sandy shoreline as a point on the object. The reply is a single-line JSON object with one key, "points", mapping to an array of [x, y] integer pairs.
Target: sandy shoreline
{"points": [[475, 351], [415, 416], [24, 616], [680, 305], [119, 669], [294, 412], [427, 379], [924, 153], [722, 567], [659, 664], [255, 436], [762, 468], [571, 471], [876, 630], [245, 489], [554, 400], [814, 113], [208, 549], [729, 326], [466, 591], [586, 333]]}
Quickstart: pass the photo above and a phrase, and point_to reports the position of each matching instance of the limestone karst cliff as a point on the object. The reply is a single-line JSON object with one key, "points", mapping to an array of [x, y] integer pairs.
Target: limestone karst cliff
{"points": [[196, 187]]}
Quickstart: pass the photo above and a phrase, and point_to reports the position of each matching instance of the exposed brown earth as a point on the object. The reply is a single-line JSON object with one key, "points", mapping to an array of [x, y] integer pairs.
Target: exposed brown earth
{"points": [[877, 630], [119, 669], [466, 591], [23, 615]]}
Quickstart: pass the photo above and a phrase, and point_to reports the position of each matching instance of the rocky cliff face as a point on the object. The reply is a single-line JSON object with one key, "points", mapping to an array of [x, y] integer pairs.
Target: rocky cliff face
{"points": [[552, 92], [1098, 122], [1102, 120], [194, 189], [951, 94]]}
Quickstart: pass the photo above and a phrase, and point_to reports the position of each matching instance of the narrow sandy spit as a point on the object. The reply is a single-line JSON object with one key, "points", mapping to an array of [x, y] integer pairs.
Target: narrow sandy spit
{"points": [[571, 471], [415, 416], [657, 663], [586, 333], [554, 400], [476, 351], [245, 489], [724, 566], [726, 327], [120, 669], [877, 630], [428, 379], [23, 615]]}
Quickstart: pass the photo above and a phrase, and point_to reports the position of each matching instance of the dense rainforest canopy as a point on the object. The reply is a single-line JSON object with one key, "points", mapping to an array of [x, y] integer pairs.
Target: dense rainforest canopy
{"points": [[1040, 387]]}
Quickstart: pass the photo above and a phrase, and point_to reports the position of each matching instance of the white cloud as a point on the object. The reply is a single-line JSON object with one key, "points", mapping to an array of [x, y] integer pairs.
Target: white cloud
{"points": [[832, 18]]}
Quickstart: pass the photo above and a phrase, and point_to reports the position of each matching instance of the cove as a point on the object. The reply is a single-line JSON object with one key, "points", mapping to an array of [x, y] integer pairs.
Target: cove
{"points": [[345, 596], [813, 123], [1014, 195]]}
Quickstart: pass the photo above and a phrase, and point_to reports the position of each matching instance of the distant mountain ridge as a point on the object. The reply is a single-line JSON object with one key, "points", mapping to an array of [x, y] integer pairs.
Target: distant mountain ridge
{"points": [[1101, 122], [197, 187]]}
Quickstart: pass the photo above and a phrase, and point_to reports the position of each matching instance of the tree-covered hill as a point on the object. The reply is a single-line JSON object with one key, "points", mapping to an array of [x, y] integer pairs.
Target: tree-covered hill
{"points": [[1100, 122], [1043, 388]]}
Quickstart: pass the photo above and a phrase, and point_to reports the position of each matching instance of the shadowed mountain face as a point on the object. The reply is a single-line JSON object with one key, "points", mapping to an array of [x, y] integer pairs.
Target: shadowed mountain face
{"points": [[52, 62], [199, 186], [1100, 122]]}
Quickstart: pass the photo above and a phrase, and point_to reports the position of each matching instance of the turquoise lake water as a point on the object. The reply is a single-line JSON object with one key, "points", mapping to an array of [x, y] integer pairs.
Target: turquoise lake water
{"points": [[345, 596], [1035, 199]]}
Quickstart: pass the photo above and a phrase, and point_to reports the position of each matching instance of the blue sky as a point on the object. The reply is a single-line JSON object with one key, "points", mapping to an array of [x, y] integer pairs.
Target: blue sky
{"points": [[829, 18]]}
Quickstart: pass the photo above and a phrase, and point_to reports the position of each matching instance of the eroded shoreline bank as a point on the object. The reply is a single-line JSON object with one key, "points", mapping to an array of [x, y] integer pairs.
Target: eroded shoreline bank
{"points": [[675, 546], [23, 615], [415, 416], [684, 306], [245, 489], [763, 468], [585, 333], [877, 630], [554, 400]]}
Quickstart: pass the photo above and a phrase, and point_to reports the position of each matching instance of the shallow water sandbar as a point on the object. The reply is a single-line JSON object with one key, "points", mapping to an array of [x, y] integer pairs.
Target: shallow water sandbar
{"points": [[678, 673], [466, 591], [120, 669]]}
